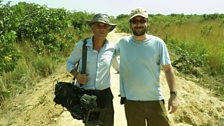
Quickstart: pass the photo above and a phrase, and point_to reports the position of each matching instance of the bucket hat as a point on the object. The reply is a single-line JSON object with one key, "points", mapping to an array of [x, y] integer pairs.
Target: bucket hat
{"points": [[103, 18], [139, 12]]}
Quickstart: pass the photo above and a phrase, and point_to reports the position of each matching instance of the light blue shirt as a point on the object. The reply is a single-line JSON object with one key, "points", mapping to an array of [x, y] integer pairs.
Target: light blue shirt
{"points": [[97, 65], [140, 64]]}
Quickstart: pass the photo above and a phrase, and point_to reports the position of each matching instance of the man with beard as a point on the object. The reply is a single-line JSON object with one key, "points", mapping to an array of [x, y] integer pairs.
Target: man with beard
{"points": [[142, 56]]}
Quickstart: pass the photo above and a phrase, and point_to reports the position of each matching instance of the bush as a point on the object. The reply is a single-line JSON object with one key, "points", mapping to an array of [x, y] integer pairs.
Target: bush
{"points": [[15, 82], [43, 66]]}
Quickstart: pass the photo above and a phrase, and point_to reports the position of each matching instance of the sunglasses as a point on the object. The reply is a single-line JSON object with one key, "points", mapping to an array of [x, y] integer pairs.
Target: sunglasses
{"points": [[141, 21]]}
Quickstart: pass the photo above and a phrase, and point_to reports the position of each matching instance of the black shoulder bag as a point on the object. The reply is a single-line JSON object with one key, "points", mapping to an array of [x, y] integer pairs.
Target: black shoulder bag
{"points": [[63, 90], [71, 96]]}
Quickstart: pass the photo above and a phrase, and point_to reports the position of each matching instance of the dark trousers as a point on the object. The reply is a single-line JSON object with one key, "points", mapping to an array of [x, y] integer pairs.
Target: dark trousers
{"points": [[146, 113], [105, 102]]}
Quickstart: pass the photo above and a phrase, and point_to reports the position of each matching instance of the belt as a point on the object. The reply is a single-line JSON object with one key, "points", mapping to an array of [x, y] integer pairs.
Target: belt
{"points": [[96, 91]]}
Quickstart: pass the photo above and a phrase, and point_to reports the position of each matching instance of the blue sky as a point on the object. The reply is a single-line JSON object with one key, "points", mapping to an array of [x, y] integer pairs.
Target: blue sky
{"points": [[116, 7]]}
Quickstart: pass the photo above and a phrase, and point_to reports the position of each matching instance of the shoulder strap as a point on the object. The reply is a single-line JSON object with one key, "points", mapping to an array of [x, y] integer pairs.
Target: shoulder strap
{"points": [[84, 56]]}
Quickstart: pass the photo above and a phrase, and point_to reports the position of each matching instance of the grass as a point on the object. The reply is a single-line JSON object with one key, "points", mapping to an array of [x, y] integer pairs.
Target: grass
{"points": [[43, 66], [207, 35], [15, 82], [33, 65], [28, 71], [201, 43]]}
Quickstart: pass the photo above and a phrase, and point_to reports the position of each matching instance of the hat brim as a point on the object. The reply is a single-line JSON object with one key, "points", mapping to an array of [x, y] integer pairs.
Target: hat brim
{"points": [[144, 16], [112, 26]]}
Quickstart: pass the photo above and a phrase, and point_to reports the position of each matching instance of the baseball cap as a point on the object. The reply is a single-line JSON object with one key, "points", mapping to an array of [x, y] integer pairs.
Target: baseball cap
{"points": [[139, 12]]}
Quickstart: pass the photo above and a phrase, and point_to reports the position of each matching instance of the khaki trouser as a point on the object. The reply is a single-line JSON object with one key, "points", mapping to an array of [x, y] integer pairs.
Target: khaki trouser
{"points": [[146, 113]]}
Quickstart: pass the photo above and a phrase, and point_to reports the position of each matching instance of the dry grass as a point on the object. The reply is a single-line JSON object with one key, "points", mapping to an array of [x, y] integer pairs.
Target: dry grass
{"points": [[208, 35]]}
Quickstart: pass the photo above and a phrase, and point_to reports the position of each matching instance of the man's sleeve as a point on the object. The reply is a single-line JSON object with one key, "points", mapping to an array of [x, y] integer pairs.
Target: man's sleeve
{"points": [[74, 57]]}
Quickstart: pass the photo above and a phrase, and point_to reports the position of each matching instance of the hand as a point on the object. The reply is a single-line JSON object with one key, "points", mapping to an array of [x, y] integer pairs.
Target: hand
{"points": [[82, 78], [172, 104]]}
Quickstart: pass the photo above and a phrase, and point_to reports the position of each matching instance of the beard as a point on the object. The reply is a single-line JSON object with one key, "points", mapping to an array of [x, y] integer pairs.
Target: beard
{"points": [[139, 31]]}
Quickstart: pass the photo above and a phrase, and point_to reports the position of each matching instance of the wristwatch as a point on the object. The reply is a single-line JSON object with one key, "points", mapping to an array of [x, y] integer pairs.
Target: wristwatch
{"points": [[173, 93]]}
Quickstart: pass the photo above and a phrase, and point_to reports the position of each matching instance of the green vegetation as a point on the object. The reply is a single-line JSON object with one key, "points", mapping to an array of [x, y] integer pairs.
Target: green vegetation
{"points": [[199, 49], [34, 39]]}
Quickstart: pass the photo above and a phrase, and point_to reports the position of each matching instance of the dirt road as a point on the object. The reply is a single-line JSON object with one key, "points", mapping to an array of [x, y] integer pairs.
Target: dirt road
{"points": [[35, 107]]}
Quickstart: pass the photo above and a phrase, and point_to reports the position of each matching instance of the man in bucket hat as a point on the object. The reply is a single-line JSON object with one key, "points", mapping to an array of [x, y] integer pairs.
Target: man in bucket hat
{"points": [[141, 58], [100, 52], [102, 18]]}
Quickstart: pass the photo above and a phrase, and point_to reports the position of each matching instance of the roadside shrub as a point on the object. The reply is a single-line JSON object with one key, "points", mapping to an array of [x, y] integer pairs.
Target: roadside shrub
{"points": [[188, 58], [12, 83], [43, 66]]}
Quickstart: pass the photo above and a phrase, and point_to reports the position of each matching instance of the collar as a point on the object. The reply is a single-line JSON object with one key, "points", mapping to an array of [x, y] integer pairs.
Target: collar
{"points": [[90, 43]]}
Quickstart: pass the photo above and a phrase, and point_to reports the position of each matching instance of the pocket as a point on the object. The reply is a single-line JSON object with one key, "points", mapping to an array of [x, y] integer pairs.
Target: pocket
{"points": [[162, 106]]}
